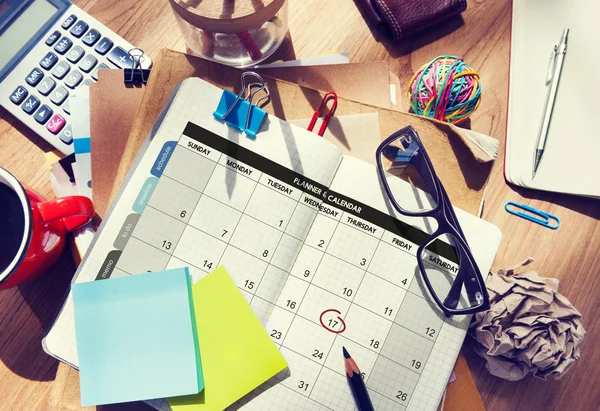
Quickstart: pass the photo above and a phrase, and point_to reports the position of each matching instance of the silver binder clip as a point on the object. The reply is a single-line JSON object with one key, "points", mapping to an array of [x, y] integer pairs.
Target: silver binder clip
{"points": [[136, 74]]}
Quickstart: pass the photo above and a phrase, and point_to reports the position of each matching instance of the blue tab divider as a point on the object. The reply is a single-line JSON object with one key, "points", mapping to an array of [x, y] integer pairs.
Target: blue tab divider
{"points": [[145, 194], [82, 145], [163, 158]]}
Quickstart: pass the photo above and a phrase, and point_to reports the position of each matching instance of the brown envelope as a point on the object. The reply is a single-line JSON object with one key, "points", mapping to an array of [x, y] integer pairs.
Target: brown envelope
{"points": [[463, 168], [112, 110], [113, 103], [367, 83]]}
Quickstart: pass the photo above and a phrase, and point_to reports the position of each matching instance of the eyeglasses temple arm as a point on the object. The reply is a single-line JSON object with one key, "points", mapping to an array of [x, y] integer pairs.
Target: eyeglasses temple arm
{"points": [[471, 285]]}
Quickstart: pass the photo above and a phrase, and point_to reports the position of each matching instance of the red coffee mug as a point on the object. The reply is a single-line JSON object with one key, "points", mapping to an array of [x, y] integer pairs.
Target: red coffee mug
{"points": [[33, 231]]}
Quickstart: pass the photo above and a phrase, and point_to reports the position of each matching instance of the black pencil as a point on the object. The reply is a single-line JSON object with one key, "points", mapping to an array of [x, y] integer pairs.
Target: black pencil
{"points": [[357, 384]]}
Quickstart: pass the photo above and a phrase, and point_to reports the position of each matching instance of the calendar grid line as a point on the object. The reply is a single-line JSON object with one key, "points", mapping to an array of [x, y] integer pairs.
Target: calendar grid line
{"points": [[217, 163], [274, 251], [369, 265], [233, 231], [426, 361], [199, 198], [310, 283], [356, 342], [331, 369], [302, 299], [321, 404], [299, 304], [314, 322], [226, 205], [322, 366], [311, 280], [147, 243]]}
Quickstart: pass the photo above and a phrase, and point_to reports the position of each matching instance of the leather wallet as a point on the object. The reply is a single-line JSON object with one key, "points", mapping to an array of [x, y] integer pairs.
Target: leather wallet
{"points": [[405, 17]]}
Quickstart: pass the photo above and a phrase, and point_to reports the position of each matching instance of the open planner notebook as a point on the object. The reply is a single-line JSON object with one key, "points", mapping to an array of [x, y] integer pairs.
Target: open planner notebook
{"points": [[310, 240]]}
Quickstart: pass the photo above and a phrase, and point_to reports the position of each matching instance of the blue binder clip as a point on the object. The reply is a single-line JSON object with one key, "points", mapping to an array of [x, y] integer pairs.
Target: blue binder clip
{"points": [[239, 112], [532, 214]]}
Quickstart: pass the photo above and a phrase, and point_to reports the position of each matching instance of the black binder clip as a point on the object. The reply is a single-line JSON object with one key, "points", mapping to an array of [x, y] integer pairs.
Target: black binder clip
{"points": [[239, 112], [136, 74]]}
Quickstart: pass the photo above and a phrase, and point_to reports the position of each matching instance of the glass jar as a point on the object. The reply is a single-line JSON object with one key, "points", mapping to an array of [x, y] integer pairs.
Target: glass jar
{"points": [[238, 33]]}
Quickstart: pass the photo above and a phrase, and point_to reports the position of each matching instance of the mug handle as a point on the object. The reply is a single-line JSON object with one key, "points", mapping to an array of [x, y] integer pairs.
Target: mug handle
{"points": [[74, 211]]}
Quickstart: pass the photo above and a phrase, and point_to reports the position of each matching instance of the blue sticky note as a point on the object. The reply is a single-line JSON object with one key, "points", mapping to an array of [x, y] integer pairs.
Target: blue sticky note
{"points": [[136, 338]]}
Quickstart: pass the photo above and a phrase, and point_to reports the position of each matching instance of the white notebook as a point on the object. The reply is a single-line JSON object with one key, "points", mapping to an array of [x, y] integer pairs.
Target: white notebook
{"points": [[307, 235], [570, 161]]}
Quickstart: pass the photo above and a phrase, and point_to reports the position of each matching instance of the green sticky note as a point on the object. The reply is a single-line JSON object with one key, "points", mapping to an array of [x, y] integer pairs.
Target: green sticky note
{"points": [[136, 338], [237, 353]]}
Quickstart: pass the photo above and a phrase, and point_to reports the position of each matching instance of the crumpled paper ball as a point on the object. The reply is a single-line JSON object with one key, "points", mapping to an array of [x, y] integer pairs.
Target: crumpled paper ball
{"points": [[530, 326]]}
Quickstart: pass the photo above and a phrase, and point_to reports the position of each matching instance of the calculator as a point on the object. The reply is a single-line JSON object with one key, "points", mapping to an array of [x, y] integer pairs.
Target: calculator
{"points": [[49, 49]]}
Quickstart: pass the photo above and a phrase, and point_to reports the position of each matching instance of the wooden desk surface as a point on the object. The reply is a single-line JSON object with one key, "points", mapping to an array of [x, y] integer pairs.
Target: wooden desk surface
{"points": [[482, 36]]}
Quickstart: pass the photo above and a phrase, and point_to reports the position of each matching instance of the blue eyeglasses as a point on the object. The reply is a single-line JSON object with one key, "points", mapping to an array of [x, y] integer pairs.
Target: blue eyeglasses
{"points": [[445, 260]]}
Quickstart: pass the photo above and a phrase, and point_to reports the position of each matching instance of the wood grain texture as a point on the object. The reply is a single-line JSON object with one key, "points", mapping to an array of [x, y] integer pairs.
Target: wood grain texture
{"points": [[482, 36]]}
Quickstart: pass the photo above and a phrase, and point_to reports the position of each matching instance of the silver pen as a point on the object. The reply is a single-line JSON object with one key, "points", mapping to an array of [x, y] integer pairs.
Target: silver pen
{"points": [[554, 71]]}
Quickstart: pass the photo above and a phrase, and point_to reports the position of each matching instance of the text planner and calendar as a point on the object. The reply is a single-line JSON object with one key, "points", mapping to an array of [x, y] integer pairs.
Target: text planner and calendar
{"points": [[306, 235]]}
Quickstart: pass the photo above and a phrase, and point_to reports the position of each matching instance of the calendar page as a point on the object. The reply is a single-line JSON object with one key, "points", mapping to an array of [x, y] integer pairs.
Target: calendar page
{"points": [[356, 284], [308, 237], [161, 215]]}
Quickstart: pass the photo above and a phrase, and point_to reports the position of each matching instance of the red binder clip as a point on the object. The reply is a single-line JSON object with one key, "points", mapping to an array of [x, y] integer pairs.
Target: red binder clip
{"points": [[328, 96]]}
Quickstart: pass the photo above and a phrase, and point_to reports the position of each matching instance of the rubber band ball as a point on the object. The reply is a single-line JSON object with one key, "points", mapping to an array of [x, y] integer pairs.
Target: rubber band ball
{"points": [[446, 89]]}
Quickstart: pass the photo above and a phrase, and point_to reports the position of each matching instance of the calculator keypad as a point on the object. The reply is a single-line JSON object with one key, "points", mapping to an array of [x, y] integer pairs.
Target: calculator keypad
{"points": [[88, 63], [63, 45], [49, 61], [72, 58], [75, 54], [120, 58], [61, 70], [56, 123], [52, 38], [30, 104], [34, 77], [59, 95], [91, 37], [43, 114], [95, 72], [103, 46], [46, 86], [79, 28], [73, 79], [67, 135], [67, 106], [69, 21], [19, 95]]}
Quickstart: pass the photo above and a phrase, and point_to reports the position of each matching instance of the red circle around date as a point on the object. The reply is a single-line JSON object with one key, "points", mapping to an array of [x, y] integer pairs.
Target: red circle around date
{"points": [[337, 322]]}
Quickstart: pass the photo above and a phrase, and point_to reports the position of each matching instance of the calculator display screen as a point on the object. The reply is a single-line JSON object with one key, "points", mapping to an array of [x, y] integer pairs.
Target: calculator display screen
{"points": [[23, 27]]}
